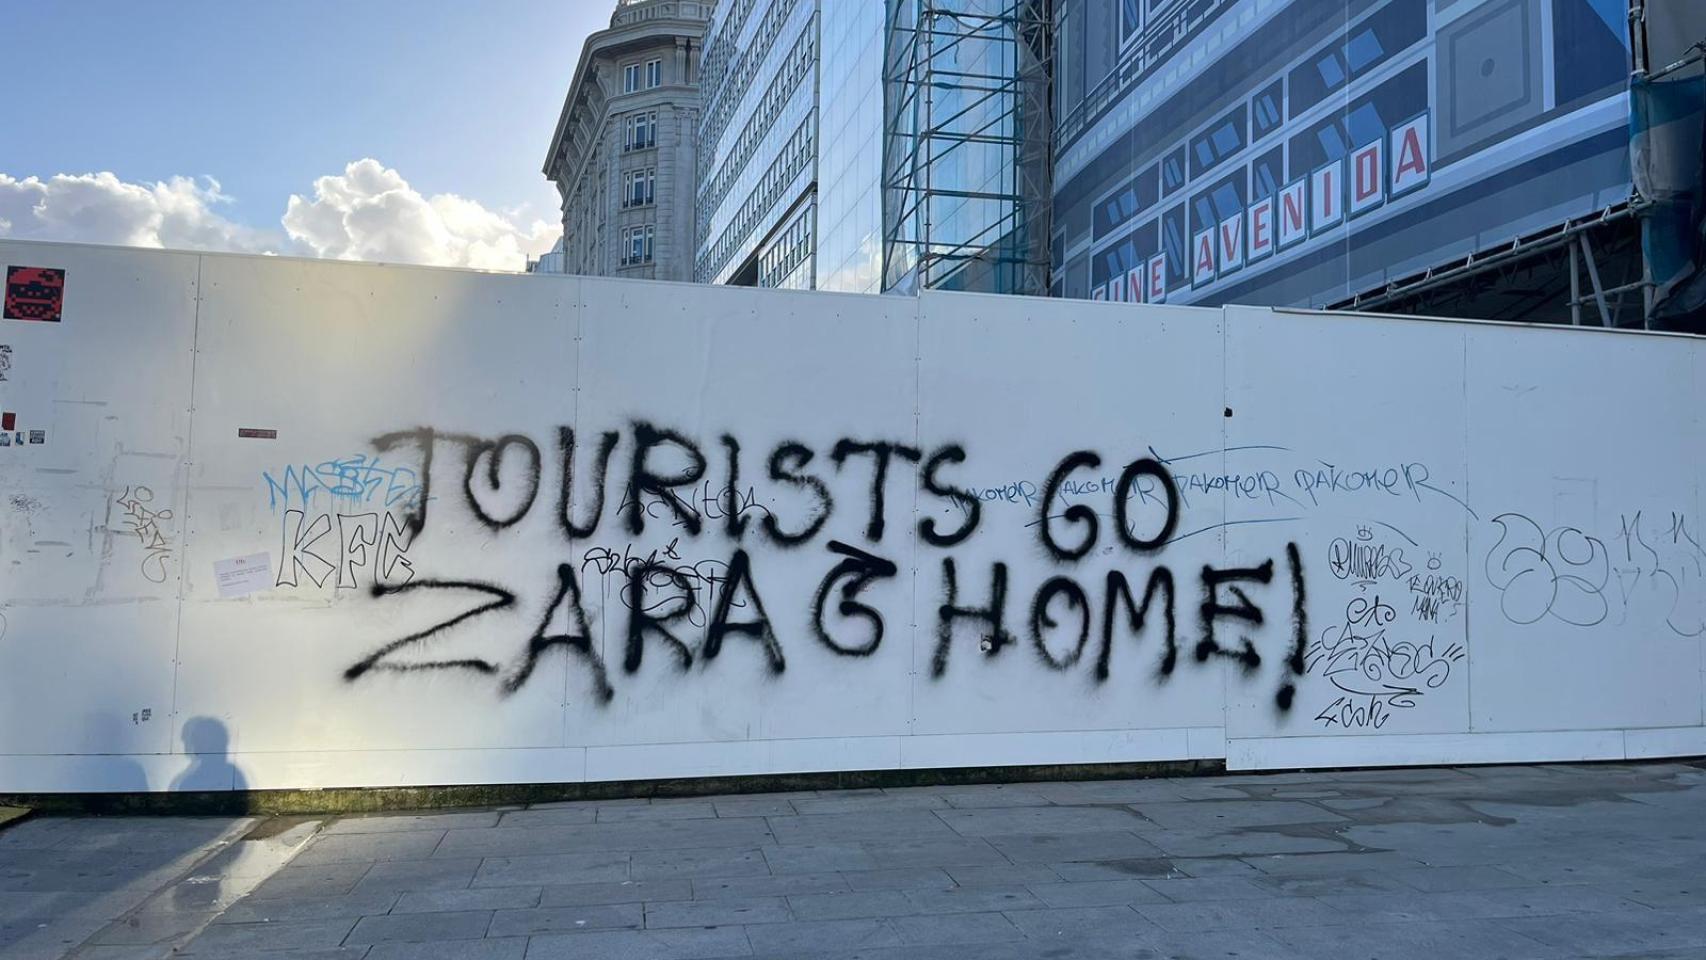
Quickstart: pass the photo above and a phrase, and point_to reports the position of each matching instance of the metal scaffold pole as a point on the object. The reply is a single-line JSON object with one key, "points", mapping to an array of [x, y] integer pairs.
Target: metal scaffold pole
{"points": [[966, 153]]}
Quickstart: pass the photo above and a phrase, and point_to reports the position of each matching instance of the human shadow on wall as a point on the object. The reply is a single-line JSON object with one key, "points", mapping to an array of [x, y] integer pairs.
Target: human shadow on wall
{"points": [[208, 745]]}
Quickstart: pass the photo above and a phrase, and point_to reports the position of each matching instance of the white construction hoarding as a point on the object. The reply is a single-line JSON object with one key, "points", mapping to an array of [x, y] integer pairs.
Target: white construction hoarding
{"points": [[270, 523]]}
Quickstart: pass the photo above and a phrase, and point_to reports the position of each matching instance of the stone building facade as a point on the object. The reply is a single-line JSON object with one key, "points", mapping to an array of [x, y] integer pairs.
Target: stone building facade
{"points": [[624, 151]]}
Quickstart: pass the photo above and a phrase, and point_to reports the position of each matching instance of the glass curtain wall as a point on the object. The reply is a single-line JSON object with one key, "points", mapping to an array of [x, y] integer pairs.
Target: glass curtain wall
{"points": [[849, 206], [965, 175]]}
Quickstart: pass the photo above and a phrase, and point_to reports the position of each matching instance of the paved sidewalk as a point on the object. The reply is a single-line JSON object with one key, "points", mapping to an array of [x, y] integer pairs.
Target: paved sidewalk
{"points": [[64, 881], [1511, 862]]}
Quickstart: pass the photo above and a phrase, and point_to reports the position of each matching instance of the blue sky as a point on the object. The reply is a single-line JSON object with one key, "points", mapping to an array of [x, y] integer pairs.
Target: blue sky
{"points": [[456, 97]]}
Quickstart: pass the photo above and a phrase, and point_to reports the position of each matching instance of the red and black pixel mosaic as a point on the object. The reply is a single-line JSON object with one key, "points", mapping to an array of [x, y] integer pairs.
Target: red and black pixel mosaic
{"points": [[34, 293]]}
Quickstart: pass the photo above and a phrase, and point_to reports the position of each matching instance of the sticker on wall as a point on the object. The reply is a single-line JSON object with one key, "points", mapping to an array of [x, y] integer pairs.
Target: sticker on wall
{"points": [[5, 360], [256, 433], [241, 576], [5, 439], [8, 420], [38, 436], [34, 293]]}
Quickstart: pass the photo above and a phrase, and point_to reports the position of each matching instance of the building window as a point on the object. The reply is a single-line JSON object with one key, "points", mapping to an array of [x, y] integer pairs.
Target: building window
{"points": [[1131, 21], [630, 78], [791, 159], [637, 245], [793, 246], [795, 70], [638, 186], [1221, 140], [1267, 110], [641, 131], [654, 73]]}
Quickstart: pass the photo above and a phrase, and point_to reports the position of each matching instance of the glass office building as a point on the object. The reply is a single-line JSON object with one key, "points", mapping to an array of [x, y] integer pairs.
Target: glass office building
{"points": [[850, 160], [816, 172], [1303, 151], [756, 204]]}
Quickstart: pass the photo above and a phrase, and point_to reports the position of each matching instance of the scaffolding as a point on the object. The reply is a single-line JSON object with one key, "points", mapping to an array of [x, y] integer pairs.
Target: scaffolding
{"points": [[967, 158], [1586, 271]]}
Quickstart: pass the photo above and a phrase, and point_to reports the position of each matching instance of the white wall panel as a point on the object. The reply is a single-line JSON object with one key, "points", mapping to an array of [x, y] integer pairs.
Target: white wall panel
{"points": [[1024, 385], [765, 371], [1346, 442], [332, 356], [1585, 550], [92, 537], [464, 619]]}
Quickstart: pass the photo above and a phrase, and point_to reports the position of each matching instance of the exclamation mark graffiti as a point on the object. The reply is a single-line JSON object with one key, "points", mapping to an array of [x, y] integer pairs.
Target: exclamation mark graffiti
{"points": [[1299, 626]]}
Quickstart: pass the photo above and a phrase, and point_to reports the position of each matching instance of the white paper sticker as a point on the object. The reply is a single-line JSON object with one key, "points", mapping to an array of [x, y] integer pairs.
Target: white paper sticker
{"points": [[241, 576]]}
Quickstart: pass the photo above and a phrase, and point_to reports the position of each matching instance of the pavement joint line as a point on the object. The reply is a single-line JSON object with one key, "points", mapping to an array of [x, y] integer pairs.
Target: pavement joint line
{"points": [[177, 869], [232, 835]]}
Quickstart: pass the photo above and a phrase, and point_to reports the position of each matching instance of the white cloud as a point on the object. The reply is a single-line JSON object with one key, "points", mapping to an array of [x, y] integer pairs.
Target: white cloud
{"points": [[101, 208], [367, 212]]}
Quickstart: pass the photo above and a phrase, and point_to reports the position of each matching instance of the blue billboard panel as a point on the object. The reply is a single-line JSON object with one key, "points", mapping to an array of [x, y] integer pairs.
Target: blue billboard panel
{"points": [[1296, 152]]}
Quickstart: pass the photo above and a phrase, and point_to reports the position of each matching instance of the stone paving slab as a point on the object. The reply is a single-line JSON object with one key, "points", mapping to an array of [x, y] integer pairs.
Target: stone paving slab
{"points": [[1550, 862], [71, 881]]}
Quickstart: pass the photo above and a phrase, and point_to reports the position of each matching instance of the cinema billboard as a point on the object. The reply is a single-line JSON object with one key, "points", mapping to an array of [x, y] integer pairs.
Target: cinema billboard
{"points": [[1296, 152]]}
